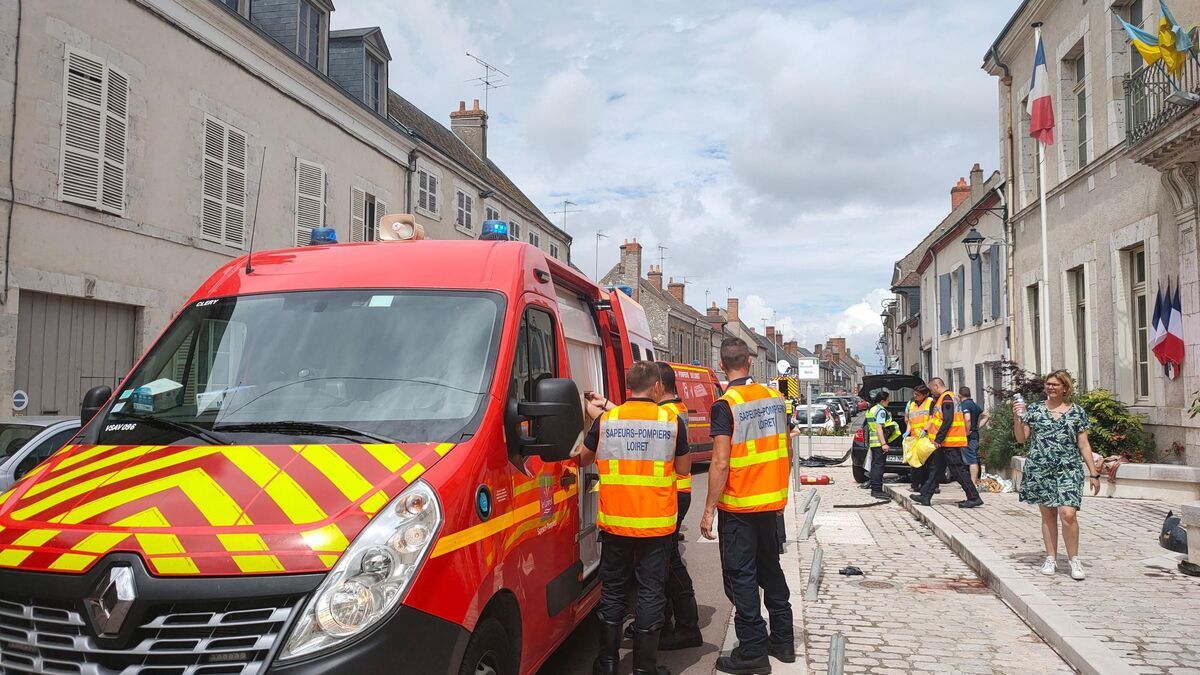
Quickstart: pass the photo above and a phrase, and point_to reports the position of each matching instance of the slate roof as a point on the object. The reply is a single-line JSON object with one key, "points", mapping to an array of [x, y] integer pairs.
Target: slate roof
{"points": [[434, 133], [355, 33]]}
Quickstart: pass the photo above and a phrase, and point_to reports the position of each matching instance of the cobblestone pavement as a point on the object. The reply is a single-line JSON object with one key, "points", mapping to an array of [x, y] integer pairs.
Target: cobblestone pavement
{"points": [[1134, 598], [918, 609]]}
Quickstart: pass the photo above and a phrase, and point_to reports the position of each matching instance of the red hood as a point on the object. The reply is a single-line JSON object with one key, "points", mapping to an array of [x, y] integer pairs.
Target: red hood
{"points": [[203, 510]]}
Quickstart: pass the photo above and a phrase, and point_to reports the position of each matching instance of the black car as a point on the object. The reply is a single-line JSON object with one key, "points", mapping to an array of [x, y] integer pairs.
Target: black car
{"points": [[839, 406], [900, 392]]}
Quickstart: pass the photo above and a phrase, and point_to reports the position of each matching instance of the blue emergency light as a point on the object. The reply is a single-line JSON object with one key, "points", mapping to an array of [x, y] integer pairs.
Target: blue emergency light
{"points": [[322, 235], [494, 230]]}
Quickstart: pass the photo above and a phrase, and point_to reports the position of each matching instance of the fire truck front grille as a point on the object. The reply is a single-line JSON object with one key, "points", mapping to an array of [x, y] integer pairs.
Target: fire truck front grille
{"points": [[217, 638]]}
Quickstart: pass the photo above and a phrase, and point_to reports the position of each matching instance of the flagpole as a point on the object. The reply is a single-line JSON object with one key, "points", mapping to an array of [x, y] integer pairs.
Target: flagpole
{"points": [[1044, 293]]}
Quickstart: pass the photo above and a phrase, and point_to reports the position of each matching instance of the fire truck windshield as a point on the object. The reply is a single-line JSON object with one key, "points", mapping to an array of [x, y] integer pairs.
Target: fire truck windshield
{"points": [[339, 366]]}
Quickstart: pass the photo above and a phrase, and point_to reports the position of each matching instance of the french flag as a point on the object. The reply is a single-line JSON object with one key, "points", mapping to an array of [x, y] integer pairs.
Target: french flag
{"points": [[1173, 345], [1040, 107]]}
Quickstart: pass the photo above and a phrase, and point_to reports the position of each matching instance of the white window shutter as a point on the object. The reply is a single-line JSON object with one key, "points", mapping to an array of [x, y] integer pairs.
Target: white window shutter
{"points": [[381, 210], [310, 199], [95, 121], [433, 193], [212, 216], [235, 187], [358, 214], [116, 126], [422, 190]]}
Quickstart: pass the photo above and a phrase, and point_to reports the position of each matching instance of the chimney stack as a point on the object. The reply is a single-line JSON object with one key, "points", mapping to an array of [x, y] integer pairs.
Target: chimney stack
{"points": [[771, 334], [471, 127], [976, 183], [817, 350], [654, 276], [792, 347], [631, 266], [959, 193], [714, 317], [733, 310], [675, 287]]}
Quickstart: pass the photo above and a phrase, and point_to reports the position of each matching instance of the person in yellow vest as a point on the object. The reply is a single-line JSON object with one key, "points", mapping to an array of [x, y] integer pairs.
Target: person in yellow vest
{"points": [[916, 415], [949, 426], [638, 448], [748, 483], [880, 432], [681, 625]]}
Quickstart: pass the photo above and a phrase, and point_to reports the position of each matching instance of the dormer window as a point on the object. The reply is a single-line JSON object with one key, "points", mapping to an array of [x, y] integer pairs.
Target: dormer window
{"points": [[358, 62], [374, 75], [308, 37]]}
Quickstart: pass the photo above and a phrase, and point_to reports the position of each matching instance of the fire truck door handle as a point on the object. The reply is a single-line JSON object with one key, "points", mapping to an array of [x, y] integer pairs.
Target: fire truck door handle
{"points": [[567, 479]]}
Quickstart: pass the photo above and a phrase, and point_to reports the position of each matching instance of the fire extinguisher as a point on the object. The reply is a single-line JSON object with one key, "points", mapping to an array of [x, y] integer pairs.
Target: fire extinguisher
{"points": [[823, 479]]}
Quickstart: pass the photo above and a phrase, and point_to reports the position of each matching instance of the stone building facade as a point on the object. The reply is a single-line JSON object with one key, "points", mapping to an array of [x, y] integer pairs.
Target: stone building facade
{"points": [[136, 174]]}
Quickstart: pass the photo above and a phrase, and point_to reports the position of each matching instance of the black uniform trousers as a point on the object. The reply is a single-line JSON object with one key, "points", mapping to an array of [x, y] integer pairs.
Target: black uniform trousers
{"points": [[938, 461], [679, 581], [749, 562], [878, 463], [641, 561]]}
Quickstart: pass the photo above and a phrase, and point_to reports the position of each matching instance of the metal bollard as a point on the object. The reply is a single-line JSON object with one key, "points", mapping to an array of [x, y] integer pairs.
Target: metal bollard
{"points": [[837, 654], [806, 530], [808, 499], [814, 576]]}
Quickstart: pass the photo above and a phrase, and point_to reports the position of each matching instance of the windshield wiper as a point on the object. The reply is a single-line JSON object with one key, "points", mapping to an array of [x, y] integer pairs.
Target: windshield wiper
{"points": [[308, 428], [175, 425]]}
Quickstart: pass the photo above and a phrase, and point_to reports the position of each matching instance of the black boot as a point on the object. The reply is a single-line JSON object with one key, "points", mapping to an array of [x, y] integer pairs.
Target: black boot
{"points": [[686, 633], [610, 650], [736, 664], [645, 653]]}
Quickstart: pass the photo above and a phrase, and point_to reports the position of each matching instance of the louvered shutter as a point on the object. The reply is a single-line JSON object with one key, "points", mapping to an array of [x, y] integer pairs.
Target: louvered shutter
{"points": [[977, 292], [310, 199], [381, 210], [960, 277], [944, 303], [358, 214], [95, 121], [433, 193], [235, 187], [423, 190], [223, 213], [996, 293]]}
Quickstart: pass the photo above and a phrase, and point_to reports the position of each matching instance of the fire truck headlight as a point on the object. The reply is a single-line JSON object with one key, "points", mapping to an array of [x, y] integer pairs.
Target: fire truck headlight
{"points": [[372, 575]]}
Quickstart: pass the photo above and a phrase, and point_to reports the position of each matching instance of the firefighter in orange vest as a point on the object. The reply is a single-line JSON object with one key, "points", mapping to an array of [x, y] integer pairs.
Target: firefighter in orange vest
{"points": [[916, 415], [681, 628], [949, 429], [638, 447], [748, 483]]}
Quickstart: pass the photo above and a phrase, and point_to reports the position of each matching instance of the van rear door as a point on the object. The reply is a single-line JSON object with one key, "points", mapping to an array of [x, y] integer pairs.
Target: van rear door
{"points": [[697, 387]]}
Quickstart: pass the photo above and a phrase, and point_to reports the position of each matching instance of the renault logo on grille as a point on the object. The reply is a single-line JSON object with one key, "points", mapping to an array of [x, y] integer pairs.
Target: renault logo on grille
{"points": [[110, 603]]}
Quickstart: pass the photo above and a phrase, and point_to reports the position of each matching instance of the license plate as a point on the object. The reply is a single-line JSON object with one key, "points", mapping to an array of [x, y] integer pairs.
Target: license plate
{"points": [[894, 459]]}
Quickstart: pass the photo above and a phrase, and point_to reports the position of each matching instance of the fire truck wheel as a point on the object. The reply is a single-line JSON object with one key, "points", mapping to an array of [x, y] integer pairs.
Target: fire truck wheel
{"points": [[489, 651]]}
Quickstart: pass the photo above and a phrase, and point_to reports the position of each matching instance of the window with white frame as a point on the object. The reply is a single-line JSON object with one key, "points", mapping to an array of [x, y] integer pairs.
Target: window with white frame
{"points": [[1134, 14], [464, 205], [985, 280], [95, 120], [1079, 91], [553, 249], [491, 212], [310, 199], [1033, 314], [535, 237], [427, 191], [1031, 168], [372, 79], [514, 229], [223, 191], [1079, 319], [308, 34], [365, 211], [1140, 321]]}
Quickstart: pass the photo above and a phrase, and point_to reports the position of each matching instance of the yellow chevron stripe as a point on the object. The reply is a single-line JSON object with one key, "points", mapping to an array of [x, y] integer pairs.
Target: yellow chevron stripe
{"points": [[287, 494], [174, 565], [413, 472], [258, 563], [35, 538], [521, 489], [60, 478], [72, 562], [336, 469], [443, 448], [390, 456], [210, 498], [328, 538], [83, 456], [242, 542], [329, 560], [12, 557], [453, 542], [374, 503], [100, 542]]}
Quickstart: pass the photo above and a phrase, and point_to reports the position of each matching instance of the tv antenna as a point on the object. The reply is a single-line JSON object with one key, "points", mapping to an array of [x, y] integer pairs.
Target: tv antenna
{"points": [[661, 256], [492, 78], [564, 211]]}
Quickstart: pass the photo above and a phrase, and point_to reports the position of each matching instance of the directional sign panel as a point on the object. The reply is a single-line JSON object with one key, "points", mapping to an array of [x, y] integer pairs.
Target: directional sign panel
{"points": [[808, 369]]}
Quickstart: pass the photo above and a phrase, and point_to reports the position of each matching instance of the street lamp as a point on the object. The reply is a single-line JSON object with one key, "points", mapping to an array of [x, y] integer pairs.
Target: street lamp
{"points": [[973, 242]]}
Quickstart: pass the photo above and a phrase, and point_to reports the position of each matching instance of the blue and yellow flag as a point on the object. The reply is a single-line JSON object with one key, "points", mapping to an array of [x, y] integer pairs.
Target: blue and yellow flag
{"points": [[1170, 45]]}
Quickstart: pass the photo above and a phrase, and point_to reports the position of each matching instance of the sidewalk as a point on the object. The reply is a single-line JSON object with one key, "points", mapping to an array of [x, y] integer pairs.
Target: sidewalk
{"points": [[1135, 613], [918, 608]]}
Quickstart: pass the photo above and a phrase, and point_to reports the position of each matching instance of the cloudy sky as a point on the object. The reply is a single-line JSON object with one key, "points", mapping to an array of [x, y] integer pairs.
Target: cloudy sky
{"points": [[789, 151]]}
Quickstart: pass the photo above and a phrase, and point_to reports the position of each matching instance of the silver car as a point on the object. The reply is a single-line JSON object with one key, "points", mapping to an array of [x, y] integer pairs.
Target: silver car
{"points": [[26, 442]]}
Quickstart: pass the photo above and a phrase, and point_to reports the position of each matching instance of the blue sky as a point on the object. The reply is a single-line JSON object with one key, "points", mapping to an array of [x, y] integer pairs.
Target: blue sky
{"points": [[791, 151]]}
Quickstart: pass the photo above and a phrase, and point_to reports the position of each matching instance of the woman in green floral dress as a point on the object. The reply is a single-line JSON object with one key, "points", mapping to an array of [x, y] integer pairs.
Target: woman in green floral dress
{"points": [[1053, 474]]}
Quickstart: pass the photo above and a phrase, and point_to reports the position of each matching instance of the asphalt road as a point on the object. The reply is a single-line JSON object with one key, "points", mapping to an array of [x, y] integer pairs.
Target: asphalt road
{"points": [[703, 558]]}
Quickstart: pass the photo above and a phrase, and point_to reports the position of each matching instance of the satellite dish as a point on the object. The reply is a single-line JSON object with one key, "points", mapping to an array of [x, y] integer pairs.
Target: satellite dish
{"points": [[783, 367], [400, 227]]}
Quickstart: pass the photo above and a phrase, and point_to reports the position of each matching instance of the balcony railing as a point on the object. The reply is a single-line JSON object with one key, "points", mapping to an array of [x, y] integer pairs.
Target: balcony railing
{"points": [[1149, 100]]}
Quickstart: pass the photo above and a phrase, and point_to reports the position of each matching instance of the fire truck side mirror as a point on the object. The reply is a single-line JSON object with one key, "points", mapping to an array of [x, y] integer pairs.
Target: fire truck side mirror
{"points": [[93, 401], [548, 426]]}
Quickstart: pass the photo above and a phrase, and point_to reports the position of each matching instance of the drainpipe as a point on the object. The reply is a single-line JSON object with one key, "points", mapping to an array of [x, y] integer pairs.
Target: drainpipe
{"points": [[408, 174]]}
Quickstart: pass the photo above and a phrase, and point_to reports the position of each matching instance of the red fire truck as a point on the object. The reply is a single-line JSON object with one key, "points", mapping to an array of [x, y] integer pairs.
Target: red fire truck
{"points": [[338, 458]]}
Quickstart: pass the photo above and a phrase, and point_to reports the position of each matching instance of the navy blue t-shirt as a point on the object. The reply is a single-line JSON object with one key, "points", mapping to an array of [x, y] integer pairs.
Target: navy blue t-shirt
{"points": [[969, 406]]}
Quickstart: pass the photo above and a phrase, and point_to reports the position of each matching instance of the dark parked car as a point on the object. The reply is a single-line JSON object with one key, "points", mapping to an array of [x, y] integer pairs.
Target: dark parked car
{"points": [[839, 406], [900, 392]]}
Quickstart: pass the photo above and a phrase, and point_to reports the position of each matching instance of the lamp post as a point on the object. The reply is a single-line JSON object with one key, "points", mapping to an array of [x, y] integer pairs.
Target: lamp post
{"points": [[596, 270]]}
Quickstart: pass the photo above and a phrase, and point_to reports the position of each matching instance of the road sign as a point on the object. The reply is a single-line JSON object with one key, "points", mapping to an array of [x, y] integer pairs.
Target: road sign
{"points": [[20, 400], [808, 369]]}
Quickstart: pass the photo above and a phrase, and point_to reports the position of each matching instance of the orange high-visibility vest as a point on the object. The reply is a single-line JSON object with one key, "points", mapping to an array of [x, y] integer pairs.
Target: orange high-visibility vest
{"points": [[758, 457], [957, 436], [917, 416], [636, 461], [683, 481]]}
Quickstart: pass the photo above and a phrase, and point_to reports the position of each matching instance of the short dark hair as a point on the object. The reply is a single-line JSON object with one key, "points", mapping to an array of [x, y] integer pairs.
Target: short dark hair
{"points": [[964, 392], [882, 396], [641, 376], [667, 374], [923, 390], [735, 354]]}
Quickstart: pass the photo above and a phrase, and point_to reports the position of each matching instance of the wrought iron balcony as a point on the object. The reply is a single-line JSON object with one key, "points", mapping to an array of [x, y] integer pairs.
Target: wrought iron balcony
{"points": [[1153, 99]]}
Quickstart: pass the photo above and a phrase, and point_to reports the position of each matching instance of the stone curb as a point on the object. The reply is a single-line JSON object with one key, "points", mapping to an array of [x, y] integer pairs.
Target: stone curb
{"points": [[1083, 651]]}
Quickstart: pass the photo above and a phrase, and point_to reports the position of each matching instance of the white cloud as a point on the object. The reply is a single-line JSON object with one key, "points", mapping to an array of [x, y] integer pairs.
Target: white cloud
{"points": [[561, 123]]}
